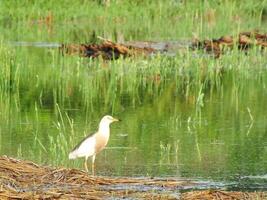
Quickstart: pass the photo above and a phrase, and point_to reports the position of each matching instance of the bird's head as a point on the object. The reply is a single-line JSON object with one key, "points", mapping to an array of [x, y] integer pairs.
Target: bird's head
{"points": [[108, 120]]}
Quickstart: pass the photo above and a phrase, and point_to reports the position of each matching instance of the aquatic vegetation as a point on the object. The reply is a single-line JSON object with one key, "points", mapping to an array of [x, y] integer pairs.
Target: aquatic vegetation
{"points": [[51, 21], [207, 115]]}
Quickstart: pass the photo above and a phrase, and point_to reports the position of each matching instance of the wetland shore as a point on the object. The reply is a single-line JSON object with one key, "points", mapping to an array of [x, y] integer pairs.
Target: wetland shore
{"points": [[21, 179]]}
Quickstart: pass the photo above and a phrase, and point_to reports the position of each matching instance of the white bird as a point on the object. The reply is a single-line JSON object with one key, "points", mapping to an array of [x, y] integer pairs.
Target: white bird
{"points": [[93, 144]]}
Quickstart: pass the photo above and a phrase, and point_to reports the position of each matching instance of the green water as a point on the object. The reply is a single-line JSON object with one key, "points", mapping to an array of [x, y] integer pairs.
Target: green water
{"points": [[184, 116], [211, 132]]}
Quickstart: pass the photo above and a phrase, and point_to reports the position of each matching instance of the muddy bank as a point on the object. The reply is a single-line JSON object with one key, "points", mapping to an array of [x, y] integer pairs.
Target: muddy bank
{"points": [[109, 50], [243, 42], [26, 180]]}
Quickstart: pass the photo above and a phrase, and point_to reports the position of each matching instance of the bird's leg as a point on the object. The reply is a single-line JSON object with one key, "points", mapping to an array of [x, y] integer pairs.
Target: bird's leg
{"points": [[85, 164], [93, 165]]}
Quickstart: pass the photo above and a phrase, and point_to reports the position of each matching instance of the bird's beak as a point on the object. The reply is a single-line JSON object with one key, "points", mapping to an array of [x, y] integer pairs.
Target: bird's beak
{"points": [[116, 120]]}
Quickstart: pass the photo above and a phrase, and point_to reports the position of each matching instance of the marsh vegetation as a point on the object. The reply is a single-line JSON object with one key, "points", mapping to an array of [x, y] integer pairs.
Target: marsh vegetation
{"points": [[186, 115]]}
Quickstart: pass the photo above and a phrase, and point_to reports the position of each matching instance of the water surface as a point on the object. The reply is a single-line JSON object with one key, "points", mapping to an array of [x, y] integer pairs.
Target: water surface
{"points": [[217, 135]]}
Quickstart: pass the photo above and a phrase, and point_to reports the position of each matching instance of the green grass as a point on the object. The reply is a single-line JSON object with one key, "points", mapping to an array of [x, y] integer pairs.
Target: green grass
{"points": [[48, 79], [49, 101], [75, 21]]}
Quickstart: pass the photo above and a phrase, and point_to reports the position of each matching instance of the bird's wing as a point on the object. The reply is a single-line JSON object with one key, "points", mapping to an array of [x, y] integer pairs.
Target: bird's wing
{"points": [[79, 144], [87, 147], [82, 141]]}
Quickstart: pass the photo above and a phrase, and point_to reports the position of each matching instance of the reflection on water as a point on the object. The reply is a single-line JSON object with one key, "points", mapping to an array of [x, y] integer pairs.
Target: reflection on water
{"points": [[213, 134], [162, 137]]}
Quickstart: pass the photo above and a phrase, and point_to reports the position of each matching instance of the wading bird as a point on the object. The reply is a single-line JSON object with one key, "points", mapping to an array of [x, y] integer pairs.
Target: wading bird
{"points": [[93, 144]]}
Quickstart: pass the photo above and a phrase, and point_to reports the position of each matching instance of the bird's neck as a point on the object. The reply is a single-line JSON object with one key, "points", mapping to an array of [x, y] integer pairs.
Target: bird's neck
{"points": [[104, 129]]}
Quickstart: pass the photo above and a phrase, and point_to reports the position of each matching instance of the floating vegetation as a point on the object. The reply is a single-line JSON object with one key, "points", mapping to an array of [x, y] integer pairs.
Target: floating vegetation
{"points": [[26, 180], [109, 50], [217, 194], [243, 42]]}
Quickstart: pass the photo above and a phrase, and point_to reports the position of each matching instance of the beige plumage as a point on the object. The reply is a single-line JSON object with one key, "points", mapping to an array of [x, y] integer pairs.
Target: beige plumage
{"points": [[93, 144]]}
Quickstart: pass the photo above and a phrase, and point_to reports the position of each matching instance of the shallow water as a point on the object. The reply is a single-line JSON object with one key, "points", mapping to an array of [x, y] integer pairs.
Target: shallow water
{"points": [[171, 127], [222, 140]]}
